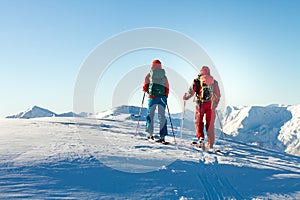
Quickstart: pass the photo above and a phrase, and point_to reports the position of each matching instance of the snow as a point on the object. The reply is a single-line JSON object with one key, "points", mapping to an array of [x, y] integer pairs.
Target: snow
{"points": [[37, 112], [290, 132], [102, 158], [34, 112], [275, 126]]}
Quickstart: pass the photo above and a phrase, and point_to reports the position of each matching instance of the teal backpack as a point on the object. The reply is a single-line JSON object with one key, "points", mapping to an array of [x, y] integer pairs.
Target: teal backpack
{"points": [[157, 85]]}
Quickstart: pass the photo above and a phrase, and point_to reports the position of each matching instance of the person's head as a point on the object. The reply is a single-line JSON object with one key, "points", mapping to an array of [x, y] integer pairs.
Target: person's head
{"points": [[205, 70], [156, 64]]}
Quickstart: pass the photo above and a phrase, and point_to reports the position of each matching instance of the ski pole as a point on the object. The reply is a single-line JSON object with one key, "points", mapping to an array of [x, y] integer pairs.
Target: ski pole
{"points": [[220, 125], [171, 124], [139, 116], [223, 134], [182, 120]]}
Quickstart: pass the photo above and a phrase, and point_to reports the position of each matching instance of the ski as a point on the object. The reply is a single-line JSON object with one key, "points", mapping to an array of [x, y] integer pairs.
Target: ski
{"points": [[196, 145], [208, 150], [218, 151], [156, 139], [164, 143], [135, 116]]}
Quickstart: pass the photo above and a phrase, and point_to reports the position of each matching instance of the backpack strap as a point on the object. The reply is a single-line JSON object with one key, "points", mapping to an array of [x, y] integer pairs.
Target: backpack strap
{"points": [[197, 86]]}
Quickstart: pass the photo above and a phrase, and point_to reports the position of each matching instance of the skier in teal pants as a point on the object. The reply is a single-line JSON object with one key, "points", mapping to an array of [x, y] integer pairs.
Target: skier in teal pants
{"points": [[157, 86]]}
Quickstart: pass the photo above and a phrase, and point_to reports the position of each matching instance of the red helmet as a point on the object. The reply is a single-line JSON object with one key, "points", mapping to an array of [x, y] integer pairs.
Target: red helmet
{"points": [[205, 70], [156, 64]]}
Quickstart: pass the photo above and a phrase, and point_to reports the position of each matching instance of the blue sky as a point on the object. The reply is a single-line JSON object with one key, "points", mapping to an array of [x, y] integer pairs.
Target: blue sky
{"points": [[255, 45]]}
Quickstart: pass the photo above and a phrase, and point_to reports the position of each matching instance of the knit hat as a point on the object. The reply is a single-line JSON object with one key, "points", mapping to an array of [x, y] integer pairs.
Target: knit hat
{"points": [[205, 70], [156, 64]]}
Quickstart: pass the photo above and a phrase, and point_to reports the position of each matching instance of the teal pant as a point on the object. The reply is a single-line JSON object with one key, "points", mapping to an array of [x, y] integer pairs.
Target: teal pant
{"points": [[160, 103]]}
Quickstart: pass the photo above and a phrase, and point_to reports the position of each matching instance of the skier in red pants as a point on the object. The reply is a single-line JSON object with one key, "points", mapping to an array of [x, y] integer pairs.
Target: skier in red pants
{"points": [[207, 96]]}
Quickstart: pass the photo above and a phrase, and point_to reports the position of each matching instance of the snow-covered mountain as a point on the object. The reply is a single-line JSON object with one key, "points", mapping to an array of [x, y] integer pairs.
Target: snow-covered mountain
{"points": [[290, 131], [126, 112], [275, 127], [37, 112], [132, 112], [69, 114], [34, 112]]}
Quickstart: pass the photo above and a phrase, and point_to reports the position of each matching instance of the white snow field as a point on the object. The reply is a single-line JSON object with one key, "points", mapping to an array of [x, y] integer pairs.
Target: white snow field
{"points": [[103, 158]]}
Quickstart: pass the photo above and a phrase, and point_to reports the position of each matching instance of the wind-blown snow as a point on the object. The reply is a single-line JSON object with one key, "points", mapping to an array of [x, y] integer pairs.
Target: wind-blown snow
{"points": [[275, 127], [290, 131], [101, 158]]}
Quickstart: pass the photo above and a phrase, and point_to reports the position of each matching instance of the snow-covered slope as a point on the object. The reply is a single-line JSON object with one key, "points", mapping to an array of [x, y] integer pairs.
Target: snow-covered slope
{"points": [[34, 112], [125, 112], [86, 158], [275, 126], [69, 114], [132, 112], [290, 131]]}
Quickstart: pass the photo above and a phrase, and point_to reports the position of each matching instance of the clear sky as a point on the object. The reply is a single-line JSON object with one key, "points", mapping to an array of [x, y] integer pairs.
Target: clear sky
{"points": [[254, 44]]}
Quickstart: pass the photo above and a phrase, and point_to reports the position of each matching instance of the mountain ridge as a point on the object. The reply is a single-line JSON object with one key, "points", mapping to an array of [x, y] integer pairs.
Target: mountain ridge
{"points": [[38, 112]]}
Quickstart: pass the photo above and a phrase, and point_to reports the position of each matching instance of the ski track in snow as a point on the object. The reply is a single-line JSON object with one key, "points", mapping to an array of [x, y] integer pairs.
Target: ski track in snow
{"points": [[70, 158]]}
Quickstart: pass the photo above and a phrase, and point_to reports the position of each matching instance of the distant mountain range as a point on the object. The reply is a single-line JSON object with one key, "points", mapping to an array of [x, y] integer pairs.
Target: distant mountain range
{"points": [[275, 126], [36, 112]]}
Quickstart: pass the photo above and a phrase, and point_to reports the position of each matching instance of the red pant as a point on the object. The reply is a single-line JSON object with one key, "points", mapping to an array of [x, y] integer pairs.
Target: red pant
{"points": [[210, 115]]}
